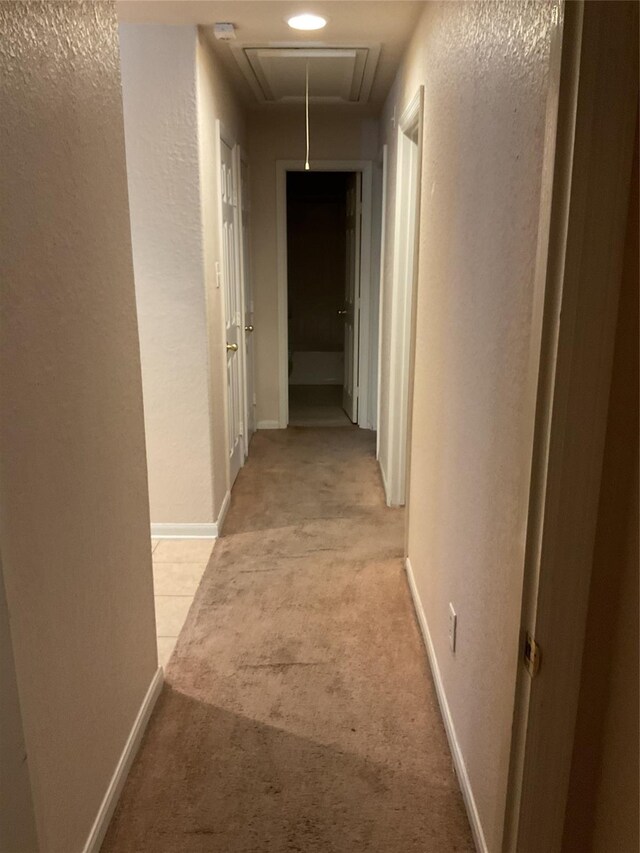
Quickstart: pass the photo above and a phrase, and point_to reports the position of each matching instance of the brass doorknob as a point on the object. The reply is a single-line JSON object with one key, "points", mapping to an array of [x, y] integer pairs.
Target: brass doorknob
{"points": [[248, 328], [342, 311], [232, 347]]}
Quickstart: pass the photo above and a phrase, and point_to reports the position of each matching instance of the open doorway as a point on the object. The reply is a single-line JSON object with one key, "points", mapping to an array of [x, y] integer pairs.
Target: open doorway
{"points": [[320, 298], [325, 301]]}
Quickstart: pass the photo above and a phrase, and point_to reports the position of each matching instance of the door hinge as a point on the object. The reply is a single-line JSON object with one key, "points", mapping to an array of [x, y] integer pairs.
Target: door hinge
{"points": [[532, 655]]}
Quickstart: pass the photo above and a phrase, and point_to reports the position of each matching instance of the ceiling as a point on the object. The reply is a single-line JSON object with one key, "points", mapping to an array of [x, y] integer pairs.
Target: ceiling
{"points": [[372, 36], [336, 75]]}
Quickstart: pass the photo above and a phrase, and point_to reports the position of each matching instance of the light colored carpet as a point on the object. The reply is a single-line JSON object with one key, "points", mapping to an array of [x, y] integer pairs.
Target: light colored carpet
{"points": [[298, 712], [317, 406]]}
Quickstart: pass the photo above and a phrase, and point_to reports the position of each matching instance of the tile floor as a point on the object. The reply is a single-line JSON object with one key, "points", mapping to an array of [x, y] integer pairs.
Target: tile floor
{"points": [[178, 566]]}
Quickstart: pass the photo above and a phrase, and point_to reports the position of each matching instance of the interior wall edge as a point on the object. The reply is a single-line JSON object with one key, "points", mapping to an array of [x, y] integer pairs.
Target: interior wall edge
{"points": [[72, 461], [159, 82], [125, 761]]}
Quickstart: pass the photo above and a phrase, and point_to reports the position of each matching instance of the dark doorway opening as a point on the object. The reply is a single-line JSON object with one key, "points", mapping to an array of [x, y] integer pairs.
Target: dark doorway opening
{"points": [[316, 264]]}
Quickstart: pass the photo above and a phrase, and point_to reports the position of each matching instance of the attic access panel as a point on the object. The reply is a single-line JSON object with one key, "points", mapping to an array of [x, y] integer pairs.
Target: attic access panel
{"points": [[278, 74]]}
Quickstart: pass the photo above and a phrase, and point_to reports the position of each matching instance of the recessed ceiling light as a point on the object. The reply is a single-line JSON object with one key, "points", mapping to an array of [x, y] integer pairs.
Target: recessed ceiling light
{"points": [[307, 22]]}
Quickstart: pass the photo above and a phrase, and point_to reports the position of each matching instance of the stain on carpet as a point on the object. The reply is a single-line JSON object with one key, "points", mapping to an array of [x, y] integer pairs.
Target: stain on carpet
{"points": [[298, 712]]}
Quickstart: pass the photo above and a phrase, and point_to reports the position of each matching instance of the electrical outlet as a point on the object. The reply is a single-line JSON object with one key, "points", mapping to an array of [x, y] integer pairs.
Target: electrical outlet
{"points": [[453, 624]]}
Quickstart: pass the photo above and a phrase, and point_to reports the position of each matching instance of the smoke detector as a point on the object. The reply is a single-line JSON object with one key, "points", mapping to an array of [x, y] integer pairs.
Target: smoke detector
{"points": [[224, 32]]}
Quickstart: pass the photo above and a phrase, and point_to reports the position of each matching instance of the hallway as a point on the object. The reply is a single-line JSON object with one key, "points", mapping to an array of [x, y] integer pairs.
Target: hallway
{"points": [[298, 711]]}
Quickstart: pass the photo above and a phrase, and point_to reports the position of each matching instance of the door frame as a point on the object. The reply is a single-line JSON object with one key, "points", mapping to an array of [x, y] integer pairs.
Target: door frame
{"points": [[223, 135], [383, 160], [365, 167], [580, 262], [243, 159], [403, 310]]}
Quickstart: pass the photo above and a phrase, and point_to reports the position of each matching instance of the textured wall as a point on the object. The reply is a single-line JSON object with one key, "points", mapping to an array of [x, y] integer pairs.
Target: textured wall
{"points": [[484, 67], [279, 135], [161, 130], [74, 521]]}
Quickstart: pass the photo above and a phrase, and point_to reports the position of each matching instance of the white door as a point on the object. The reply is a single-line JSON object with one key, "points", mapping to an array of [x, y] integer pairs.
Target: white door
{"points": [[351, 310], [233, 311], [250, 402]]}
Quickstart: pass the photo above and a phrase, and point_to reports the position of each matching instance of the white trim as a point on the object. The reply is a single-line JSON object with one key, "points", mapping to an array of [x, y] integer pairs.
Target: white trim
{"points": [[237, 168], [364, 327], [383, 251], [384, 481], [223, 514], [456, 751], [557, 55], [402, 299], [221, 135], [366, 168], [283, 330], [269, 425], [224, 135], [114, 789], [249, 368], [184, 531]]}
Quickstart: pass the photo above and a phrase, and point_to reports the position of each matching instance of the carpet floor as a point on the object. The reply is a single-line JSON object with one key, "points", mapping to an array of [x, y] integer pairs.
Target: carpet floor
{"points": [[298, 712], [317, 406]]}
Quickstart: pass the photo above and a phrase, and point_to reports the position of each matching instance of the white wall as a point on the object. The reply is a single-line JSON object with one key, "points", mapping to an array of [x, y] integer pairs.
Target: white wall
{"points": [[74, 519], [484, 69], [278, 134], [161, 130], [173, 93]]}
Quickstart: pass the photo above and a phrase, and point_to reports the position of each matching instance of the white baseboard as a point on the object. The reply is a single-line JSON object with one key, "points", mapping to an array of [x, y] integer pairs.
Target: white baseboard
{"points": [[268, 425], [184, 531], [461, 769], [209, 530], [384, 482], [110, 800], [223, 513]]}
